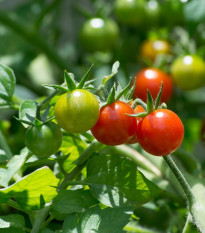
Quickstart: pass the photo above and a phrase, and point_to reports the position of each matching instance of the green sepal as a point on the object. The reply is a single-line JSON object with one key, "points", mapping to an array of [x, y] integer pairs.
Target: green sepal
{"points": [[124, 90], [45, 114], [69, 78], [23, 121], [37, 122], [131, 89], [83, 80], [157, 102], [150, 103], [111, 97], [56, 87], [140, 114]]}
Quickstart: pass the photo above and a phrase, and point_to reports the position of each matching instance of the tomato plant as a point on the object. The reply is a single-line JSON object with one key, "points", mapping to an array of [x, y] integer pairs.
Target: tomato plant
{"points": [[99, 34], [43, 140], [151, 79], [161, 132], [150, 49], [77, 111], [188, 72], [114, 127]]}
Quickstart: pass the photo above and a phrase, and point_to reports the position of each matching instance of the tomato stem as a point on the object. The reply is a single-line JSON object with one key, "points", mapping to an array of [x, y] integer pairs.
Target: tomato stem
{"points": [[139, 101], [178, 174]]}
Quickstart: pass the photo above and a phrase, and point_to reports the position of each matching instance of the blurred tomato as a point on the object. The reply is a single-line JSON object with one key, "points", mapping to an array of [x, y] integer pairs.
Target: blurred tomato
{"points": [[99, 34], [151, 79], [188, 72]]}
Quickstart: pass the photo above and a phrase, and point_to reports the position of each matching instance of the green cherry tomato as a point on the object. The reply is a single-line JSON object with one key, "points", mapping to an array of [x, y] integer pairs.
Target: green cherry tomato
{"points": [[77, 111], [99, 34], [43, 140], [130, 12], [188, 72], [160, 133]]}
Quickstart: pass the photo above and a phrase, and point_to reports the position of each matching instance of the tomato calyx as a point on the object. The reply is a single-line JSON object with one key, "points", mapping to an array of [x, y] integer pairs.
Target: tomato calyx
{"points": [[150, 106]]}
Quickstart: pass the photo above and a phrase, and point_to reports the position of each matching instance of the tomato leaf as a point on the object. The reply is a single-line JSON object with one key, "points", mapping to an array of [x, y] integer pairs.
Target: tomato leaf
{"points": [[198, 7], [104, 220], [12, 220], [33, 190], [71, 201], [7, 85], [83, 80], [27, 111], [69, 78], [115, 181], [70, 224]]}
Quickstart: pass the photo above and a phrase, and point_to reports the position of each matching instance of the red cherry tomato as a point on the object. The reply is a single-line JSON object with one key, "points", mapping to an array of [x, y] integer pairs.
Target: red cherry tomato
{"points": [[114, 127], [160, 133], [137, 109], [151, 79]]}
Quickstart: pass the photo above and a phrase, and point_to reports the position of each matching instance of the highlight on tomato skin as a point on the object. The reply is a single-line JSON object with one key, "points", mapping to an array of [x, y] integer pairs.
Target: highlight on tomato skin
{"points": [[151, 79], [161, 132], [114, 127]]}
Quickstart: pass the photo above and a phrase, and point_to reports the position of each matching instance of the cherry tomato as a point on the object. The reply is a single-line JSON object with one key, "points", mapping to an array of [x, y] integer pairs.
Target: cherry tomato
{"points": [[130, 12], [99, 34], [77, 111], [188, 72], [151, 78], [150, 49], [114, 127], [43, 140], [137, 109], [160, 133]]}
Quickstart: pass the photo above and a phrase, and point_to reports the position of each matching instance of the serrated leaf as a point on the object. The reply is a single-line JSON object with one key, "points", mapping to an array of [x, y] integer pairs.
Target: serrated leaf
{"points": [[104, 220], [196, 6], [158, 97], [15, 220], [71, 201], [33, 190], [7, 84], [27, 111], [115, 181], [13, 166]]}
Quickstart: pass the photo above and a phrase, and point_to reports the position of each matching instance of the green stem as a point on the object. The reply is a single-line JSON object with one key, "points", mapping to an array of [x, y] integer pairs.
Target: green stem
{"points": [[41, 217], [137, 102], [4, 146], [184, 184], [32, 37]]}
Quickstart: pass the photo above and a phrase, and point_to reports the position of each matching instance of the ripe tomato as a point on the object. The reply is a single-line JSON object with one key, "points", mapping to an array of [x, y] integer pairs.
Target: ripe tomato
{"points": [[137, 109], [99, 34], [150, 49], [188, 72], [43, 140], [130, 12], [151, 78], [160, 133], [77, 111], [114, 127]]}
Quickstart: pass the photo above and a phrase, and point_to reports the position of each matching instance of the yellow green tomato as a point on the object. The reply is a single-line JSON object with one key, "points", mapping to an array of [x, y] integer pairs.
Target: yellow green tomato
{"points": [[43, 140], [77, 111], [188, 72], [99, 34]]}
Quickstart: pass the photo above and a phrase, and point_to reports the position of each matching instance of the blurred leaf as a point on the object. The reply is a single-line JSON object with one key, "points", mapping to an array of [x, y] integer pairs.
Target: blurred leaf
{"points": [[115, 181], [14, 220], [13, 166], [194, 10], [33, 190], [104, 220], [27, 111], [7, 84], [71, 201]]}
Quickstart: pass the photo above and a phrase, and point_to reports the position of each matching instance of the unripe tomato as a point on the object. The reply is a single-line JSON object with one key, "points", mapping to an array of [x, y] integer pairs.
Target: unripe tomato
{"points": [[43, 140], [150, 49], [130, 12], [77, 111], [114, 127], [160, 133], [99, 34], [137, 109], [188, 72], [151, 79]]}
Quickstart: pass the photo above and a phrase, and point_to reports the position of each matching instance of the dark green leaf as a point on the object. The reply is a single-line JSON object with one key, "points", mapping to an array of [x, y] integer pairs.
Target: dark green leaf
{"points": [[7, 84], [104, 220], [70, 224], [71, 201], [69, 78], [115, 181]]}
